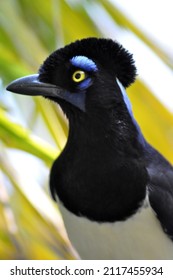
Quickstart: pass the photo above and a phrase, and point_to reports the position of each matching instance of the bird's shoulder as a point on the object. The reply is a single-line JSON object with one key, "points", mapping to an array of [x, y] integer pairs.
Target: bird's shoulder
{"points": [[160, 188]]}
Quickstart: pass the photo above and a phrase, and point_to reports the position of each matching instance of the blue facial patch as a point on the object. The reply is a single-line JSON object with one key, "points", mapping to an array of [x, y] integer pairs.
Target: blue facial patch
{"points": [[84, 63], [85, 84]]}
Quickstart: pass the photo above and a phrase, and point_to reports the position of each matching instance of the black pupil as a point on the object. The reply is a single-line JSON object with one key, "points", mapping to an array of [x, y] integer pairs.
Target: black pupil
{"points": [[77, 76]]}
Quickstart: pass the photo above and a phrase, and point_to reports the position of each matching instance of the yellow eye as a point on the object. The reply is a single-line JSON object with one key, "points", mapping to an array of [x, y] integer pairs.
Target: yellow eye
{"points": [[78, 76]]}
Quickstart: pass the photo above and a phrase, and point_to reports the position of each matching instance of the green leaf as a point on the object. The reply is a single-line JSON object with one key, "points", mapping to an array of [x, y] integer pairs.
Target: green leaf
{"points": [[16, 136]]}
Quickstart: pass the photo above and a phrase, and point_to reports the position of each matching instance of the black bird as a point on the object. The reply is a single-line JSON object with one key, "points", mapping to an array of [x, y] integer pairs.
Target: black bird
{"points": [[115, 191]]}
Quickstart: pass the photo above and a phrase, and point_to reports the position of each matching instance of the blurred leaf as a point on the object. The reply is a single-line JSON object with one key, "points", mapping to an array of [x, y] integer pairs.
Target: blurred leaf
{"points": [[53, 123], [33, 228], [126, 23], [154, 119], [17, 137]]}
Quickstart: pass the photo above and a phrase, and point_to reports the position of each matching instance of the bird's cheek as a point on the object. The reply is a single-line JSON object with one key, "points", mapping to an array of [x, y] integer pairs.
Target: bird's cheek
{"points": [[75, 99]]}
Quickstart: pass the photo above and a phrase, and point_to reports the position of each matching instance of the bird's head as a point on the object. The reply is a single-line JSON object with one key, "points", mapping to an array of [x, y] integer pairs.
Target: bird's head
{"points": [[84, 75]]}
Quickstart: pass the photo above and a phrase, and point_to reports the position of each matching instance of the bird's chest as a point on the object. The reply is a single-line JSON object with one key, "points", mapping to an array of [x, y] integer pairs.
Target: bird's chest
{"points": [[95, 188], [139, 237], [81, 183]]}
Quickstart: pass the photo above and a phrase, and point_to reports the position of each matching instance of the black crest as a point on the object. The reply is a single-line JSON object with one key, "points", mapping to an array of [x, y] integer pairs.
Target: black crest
{"points": [[109, 54]]}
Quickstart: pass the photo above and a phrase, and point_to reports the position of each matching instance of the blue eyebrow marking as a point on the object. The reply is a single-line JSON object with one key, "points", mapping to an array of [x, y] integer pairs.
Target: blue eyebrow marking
{"points": [[84, 63]]}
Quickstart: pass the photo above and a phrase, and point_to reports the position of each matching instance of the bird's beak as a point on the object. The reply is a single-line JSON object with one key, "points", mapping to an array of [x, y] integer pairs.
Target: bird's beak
{"points": [[30, 85]]}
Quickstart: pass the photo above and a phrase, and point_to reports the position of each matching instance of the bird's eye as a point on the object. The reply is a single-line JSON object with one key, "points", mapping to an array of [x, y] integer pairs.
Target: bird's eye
{"points": [[78, 76]]}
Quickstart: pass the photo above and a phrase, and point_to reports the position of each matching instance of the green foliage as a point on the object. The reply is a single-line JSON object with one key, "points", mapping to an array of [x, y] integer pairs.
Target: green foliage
{"points": [[29, 31]]}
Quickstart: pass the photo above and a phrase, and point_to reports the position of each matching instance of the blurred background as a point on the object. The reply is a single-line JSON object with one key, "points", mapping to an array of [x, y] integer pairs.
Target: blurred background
{"points": [[34, 131]]}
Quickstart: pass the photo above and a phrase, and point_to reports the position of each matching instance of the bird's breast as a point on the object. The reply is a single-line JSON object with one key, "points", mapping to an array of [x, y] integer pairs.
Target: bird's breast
{"points": [[110, 189], [139, 237]]}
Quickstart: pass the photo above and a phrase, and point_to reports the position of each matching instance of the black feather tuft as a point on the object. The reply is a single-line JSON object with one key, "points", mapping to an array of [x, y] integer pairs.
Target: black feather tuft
{"points": [[110, 55]]}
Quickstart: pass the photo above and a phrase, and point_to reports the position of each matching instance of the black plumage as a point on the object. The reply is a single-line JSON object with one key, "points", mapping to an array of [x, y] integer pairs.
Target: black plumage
{"points": [[109, 55], [107, 169]]}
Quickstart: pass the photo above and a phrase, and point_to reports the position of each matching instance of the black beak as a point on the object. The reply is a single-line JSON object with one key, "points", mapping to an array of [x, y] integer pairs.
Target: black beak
{"points": [[30, 85]]}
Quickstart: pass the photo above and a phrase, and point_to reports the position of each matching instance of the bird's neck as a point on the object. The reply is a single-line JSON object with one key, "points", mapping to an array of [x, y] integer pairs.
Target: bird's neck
{"points": [[105, 131], [100, 173]]}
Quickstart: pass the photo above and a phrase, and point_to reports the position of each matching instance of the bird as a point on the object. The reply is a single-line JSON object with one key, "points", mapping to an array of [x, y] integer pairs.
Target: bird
{"points": [[113, 188]]}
